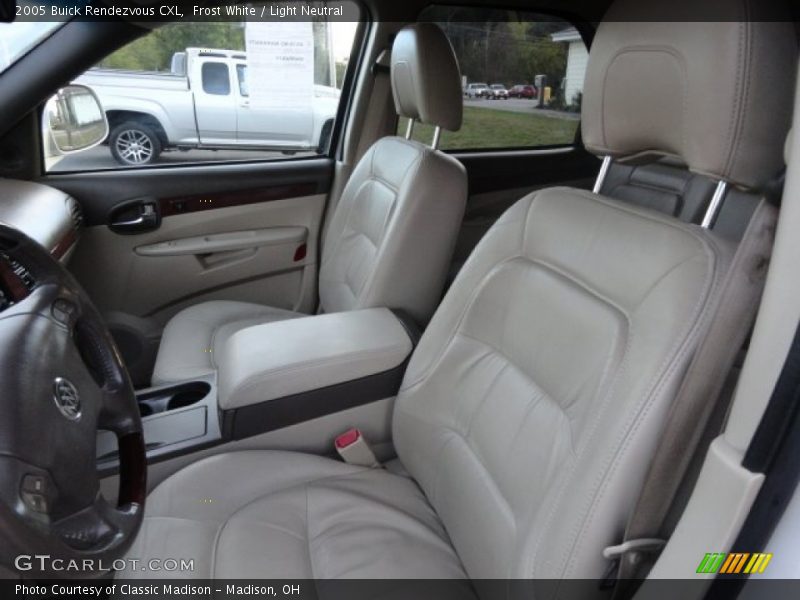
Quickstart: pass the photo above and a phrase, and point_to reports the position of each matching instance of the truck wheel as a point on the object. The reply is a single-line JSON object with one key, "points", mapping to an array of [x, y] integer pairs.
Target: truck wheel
{"points": [[134, 144]]}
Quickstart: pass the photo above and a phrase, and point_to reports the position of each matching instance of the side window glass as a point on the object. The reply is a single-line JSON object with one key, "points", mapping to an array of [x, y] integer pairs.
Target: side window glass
{"points": [[216, 79], [522, 78], [234, 89]]}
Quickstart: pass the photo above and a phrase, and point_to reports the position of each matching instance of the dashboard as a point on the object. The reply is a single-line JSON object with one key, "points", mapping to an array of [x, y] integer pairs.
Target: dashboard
{"points": [[46, 215]]}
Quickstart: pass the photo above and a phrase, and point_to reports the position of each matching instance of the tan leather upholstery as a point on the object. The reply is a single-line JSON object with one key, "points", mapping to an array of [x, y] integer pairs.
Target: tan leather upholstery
{"points": [[426, 84], [531, 405], [393, 232], [528, 414], [281, 359], [196, 334], [279, 515], [712, 94]]}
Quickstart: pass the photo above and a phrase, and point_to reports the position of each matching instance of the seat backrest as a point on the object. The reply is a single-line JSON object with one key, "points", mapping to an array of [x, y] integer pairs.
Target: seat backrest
{"points": [[532, 406], [393, 232]]}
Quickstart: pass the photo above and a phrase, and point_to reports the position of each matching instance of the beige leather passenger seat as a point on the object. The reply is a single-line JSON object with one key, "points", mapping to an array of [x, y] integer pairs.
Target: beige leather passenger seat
{"points": [[392, 234], [533, 404]]}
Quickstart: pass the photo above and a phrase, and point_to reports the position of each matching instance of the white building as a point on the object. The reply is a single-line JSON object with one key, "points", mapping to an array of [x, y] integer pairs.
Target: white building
{"points": [[577, 57]]}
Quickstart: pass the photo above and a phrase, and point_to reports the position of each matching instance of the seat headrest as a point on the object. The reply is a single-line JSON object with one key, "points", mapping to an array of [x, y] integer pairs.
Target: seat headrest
{"points": [[717, 95], [426, 81]]}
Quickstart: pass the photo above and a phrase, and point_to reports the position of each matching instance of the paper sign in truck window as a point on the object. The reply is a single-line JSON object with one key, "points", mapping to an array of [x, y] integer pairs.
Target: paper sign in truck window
{"points": [[280, 64]]}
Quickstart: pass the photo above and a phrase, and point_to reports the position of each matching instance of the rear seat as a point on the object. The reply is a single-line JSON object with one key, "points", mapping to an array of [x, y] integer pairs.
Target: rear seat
{"points": [[670, 188]]}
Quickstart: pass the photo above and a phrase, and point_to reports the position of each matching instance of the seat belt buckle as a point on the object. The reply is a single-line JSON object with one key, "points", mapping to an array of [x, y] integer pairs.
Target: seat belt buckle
{"points": [[355, 450]]}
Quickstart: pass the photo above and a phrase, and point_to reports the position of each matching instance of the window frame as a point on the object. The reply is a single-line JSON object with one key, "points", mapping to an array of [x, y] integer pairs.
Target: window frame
{"points": [[585, 30], [335, 148]]}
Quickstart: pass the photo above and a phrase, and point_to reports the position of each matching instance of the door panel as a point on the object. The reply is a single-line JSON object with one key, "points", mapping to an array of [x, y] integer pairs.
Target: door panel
{"points": [[259, 202], [198, 253], [236, 231]]}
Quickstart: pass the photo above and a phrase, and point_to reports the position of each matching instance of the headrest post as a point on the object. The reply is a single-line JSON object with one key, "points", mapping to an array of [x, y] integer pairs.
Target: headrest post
{"points": [[715, 205], [410, 129], [437, 135], [601, 175]]}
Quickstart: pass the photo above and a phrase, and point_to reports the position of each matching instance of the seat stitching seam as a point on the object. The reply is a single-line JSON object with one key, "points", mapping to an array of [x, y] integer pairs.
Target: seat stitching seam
{"points": [[308, 538], [485, 473], [542, 393], [684, 348], [468, 432], [214, 549], [436, 360], [688, 228], [659, 380], [411, 172], [510, 362]]}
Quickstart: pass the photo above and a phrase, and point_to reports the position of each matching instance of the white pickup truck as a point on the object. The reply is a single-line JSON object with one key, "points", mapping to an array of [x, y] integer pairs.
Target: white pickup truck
{"points": [[202, 102]]}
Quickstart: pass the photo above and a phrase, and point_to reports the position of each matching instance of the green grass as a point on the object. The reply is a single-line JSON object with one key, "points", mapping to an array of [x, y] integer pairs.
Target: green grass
{"points": [[493, 128]]}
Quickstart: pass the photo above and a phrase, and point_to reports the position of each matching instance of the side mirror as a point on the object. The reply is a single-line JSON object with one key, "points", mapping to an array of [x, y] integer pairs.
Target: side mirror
{"points": [[73, 120]]}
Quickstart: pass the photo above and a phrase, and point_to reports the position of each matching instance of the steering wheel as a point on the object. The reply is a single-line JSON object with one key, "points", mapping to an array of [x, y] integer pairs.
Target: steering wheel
{"points": [[61, 379]]}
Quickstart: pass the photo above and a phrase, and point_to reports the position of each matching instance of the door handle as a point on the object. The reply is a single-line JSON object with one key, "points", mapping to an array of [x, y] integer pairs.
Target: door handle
{"points": [[135, 216]]}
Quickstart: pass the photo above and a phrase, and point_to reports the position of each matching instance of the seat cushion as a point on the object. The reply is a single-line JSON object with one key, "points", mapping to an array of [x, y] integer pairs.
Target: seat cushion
{"points": [[194, 334], [268, 514]]}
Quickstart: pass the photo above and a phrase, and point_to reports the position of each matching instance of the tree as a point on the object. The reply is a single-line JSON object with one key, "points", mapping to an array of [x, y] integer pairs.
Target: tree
{"points": [[498, 46], [154, 52]]}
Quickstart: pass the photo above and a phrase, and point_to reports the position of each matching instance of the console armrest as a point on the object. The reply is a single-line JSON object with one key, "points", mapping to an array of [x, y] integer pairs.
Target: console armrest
{"points": [[276, 360]]}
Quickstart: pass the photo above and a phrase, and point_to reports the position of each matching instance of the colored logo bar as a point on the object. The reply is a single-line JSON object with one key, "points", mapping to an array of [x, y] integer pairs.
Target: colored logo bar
{"points": [[733, 563]]}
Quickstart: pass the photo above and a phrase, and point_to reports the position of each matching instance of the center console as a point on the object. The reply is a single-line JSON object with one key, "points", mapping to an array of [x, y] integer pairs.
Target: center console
{"points": [[273, 376]]}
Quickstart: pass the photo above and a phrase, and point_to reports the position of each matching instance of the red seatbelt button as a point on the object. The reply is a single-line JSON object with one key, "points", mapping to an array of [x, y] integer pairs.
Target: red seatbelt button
{"points": [[355, 450], [348, 438]]}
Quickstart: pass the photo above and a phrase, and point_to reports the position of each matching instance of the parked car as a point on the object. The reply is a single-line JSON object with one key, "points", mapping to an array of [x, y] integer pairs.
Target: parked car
{"points": [[497, 91], [203, 102], [522, 90], [477, 90]]}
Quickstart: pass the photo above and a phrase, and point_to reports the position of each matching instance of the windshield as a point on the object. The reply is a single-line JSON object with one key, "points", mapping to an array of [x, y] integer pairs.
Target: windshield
{"points": [[17, 38]]}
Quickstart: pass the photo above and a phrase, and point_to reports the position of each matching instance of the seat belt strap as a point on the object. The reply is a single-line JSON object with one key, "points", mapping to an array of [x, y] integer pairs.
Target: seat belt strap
{"points": [[380, 115], [701, 388]]}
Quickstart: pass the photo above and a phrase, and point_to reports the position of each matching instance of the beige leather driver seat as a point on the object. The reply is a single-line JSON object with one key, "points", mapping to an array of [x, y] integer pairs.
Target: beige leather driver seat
{"points": [[392, 235], [531, 407]]}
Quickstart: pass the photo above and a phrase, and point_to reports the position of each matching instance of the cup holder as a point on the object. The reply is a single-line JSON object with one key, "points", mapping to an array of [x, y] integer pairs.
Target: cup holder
{"points": [[172, 398], [189, 396]]}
